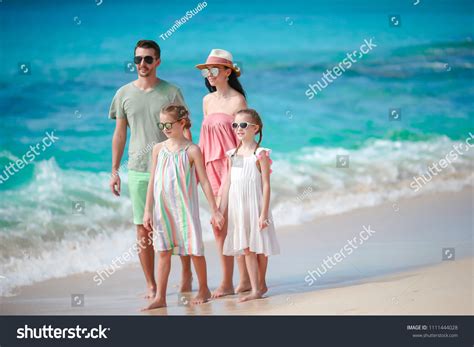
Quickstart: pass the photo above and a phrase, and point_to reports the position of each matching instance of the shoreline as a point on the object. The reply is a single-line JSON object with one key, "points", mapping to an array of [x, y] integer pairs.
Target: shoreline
{"points": [[406, 245]]}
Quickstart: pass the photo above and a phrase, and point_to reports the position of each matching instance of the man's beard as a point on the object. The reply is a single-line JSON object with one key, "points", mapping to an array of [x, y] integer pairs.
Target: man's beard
{"points": [[144, 74]]}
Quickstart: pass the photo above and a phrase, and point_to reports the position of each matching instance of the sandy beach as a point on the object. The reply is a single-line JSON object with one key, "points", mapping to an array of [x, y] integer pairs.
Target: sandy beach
{"points": [[398, 270]]}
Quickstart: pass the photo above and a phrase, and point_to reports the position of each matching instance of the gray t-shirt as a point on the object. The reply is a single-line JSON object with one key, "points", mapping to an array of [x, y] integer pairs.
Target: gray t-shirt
{"points": [[142, 111]]}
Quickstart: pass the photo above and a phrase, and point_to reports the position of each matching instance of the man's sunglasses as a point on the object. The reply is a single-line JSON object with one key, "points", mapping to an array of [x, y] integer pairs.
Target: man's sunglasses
{"points": [[242, 125], [148, 59], [213, 71]]}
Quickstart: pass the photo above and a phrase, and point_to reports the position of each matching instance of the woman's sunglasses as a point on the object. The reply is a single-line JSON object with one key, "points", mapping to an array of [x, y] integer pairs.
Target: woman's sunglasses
{"points": [[167, 125], [148, 59], [213, 71], [242, 125]]}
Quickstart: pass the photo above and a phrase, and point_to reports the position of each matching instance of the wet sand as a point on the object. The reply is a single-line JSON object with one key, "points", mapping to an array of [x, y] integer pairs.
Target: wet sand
{"points": [[397, 270]]}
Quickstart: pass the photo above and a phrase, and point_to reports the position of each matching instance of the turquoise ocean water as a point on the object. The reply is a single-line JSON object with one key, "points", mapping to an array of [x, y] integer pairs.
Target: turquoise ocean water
{"points": [[76, 53]]}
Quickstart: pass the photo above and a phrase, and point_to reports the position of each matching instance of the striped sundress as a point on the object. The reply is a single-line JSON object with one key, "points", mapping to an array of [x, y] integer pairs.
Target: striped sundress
{"points": [[176, 219]]}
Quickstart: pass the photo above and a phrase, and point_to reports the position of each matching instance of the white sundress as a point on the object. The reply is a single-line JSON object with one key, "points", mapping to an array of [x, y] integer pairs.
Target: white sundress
{"points": [[245, 205]]}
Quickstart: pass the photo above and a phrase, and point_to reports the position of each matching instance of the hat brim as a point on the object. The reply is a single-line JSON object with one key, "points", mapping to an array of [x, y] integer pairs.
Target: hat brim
{"points": [[204, 66]]}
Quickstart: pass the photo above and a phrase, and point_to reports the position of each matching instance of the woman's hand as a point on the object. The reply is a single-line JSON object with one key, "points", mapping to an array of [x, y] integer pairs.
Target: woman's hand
{"points": [[263, 222], [147, 221]]}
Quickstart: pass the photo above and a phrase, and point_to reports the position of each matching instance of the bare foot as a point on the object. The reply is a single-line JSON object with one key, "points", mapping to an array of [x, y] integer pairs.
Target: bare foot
{"points": [[263, 288], [202, 296], [222, 291], [151, 292], [186, 284], [243, 287], [157, 303], [251, 296]]}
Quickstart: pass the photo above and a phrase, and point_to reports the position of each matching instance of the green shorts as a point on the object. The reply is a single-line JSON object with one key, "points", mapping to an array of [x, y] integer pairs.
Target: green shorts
{"points": [[138, 186]]}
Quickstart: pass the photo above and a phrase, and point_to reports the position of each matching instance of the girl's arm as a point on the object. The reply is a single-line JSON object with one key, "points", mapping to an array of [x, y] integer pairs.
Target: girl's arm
{"points": [[265, 167], [147, 216], [195, 154], [225, 189]]}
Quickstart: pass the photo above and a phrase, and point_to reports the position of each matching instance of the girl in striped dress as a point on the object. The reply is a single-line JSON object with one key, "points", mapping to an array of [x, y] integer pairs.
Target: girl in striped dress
{"points": [[172, 206]]}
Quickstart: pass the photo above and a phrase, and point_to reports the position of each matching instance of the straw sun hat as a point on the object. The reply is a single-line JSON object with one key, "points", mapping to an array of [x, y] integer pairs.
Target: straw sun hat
{"points": [[220, 57]]}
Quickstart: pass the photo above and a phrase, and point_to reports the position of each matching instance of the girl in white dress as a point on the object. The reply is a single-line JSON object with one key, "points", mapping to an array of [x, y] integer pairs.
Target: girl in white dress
{"points": [[246, 195]]}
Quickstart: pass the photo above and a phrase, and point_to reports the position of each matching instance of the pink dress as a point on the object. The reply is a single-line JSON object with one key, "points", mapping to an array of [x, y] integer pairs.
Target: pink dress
{"points": [[217, 137]]}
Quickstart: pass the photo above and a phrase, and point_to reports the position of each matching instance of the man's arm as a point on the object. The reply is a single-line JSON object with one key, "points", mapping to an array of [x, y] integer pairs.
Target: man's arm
{"points": [[118, 145]]}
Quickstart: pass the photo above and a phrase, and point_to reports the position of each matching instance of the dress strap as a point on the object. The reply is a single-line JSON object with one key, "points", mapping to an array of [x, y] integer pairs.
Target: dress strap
{"points": [[179, 150], [255, 151], [165, 146]]}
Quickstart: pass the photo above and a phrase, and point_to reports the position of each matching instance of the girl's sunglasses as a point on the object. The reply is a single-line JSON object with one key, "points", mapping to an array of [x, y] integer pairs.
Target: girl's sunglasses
{"points": [[213, 71], [167, 125], [242, 125], [148, 59]]}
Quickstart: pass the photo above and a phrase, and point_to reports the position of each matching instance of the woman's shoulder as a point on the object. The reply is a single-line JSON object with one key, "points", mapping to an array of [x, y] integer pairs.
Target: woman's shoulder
{"points": [[238, 96], [207, 97], [238, 100], [206, 100]]}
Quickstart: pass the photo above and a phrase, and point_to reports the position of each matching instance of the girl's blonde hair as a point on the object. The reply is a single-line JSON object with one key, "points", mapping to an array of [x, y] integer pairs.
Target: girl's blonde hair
{"points": [[257, 120], [178, 112]]}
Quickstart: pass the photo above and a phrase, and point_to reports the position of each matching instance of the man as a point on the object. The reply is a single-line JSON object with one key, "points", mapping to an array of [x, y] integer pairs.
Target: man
{"points": [[137, 105]]}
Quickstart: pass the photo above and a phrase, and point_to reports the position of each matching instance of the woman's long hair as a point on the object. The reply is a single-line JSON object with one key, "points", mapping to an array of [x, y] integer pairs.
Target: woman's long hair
{"points": [[233, 82]]}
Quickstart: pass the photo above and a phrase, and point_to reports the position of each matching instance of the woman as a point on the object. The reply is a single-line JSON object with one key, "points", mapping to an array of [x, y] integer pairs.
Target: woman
{"points": [[226, 97]]}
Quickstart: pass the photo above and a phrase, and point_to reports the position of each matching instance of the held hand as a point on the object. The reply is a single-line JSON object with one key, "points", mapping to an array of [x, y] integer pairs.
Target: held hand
{"points": [[263, 222], [115, 184], [218, 220], [147, 221]]}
